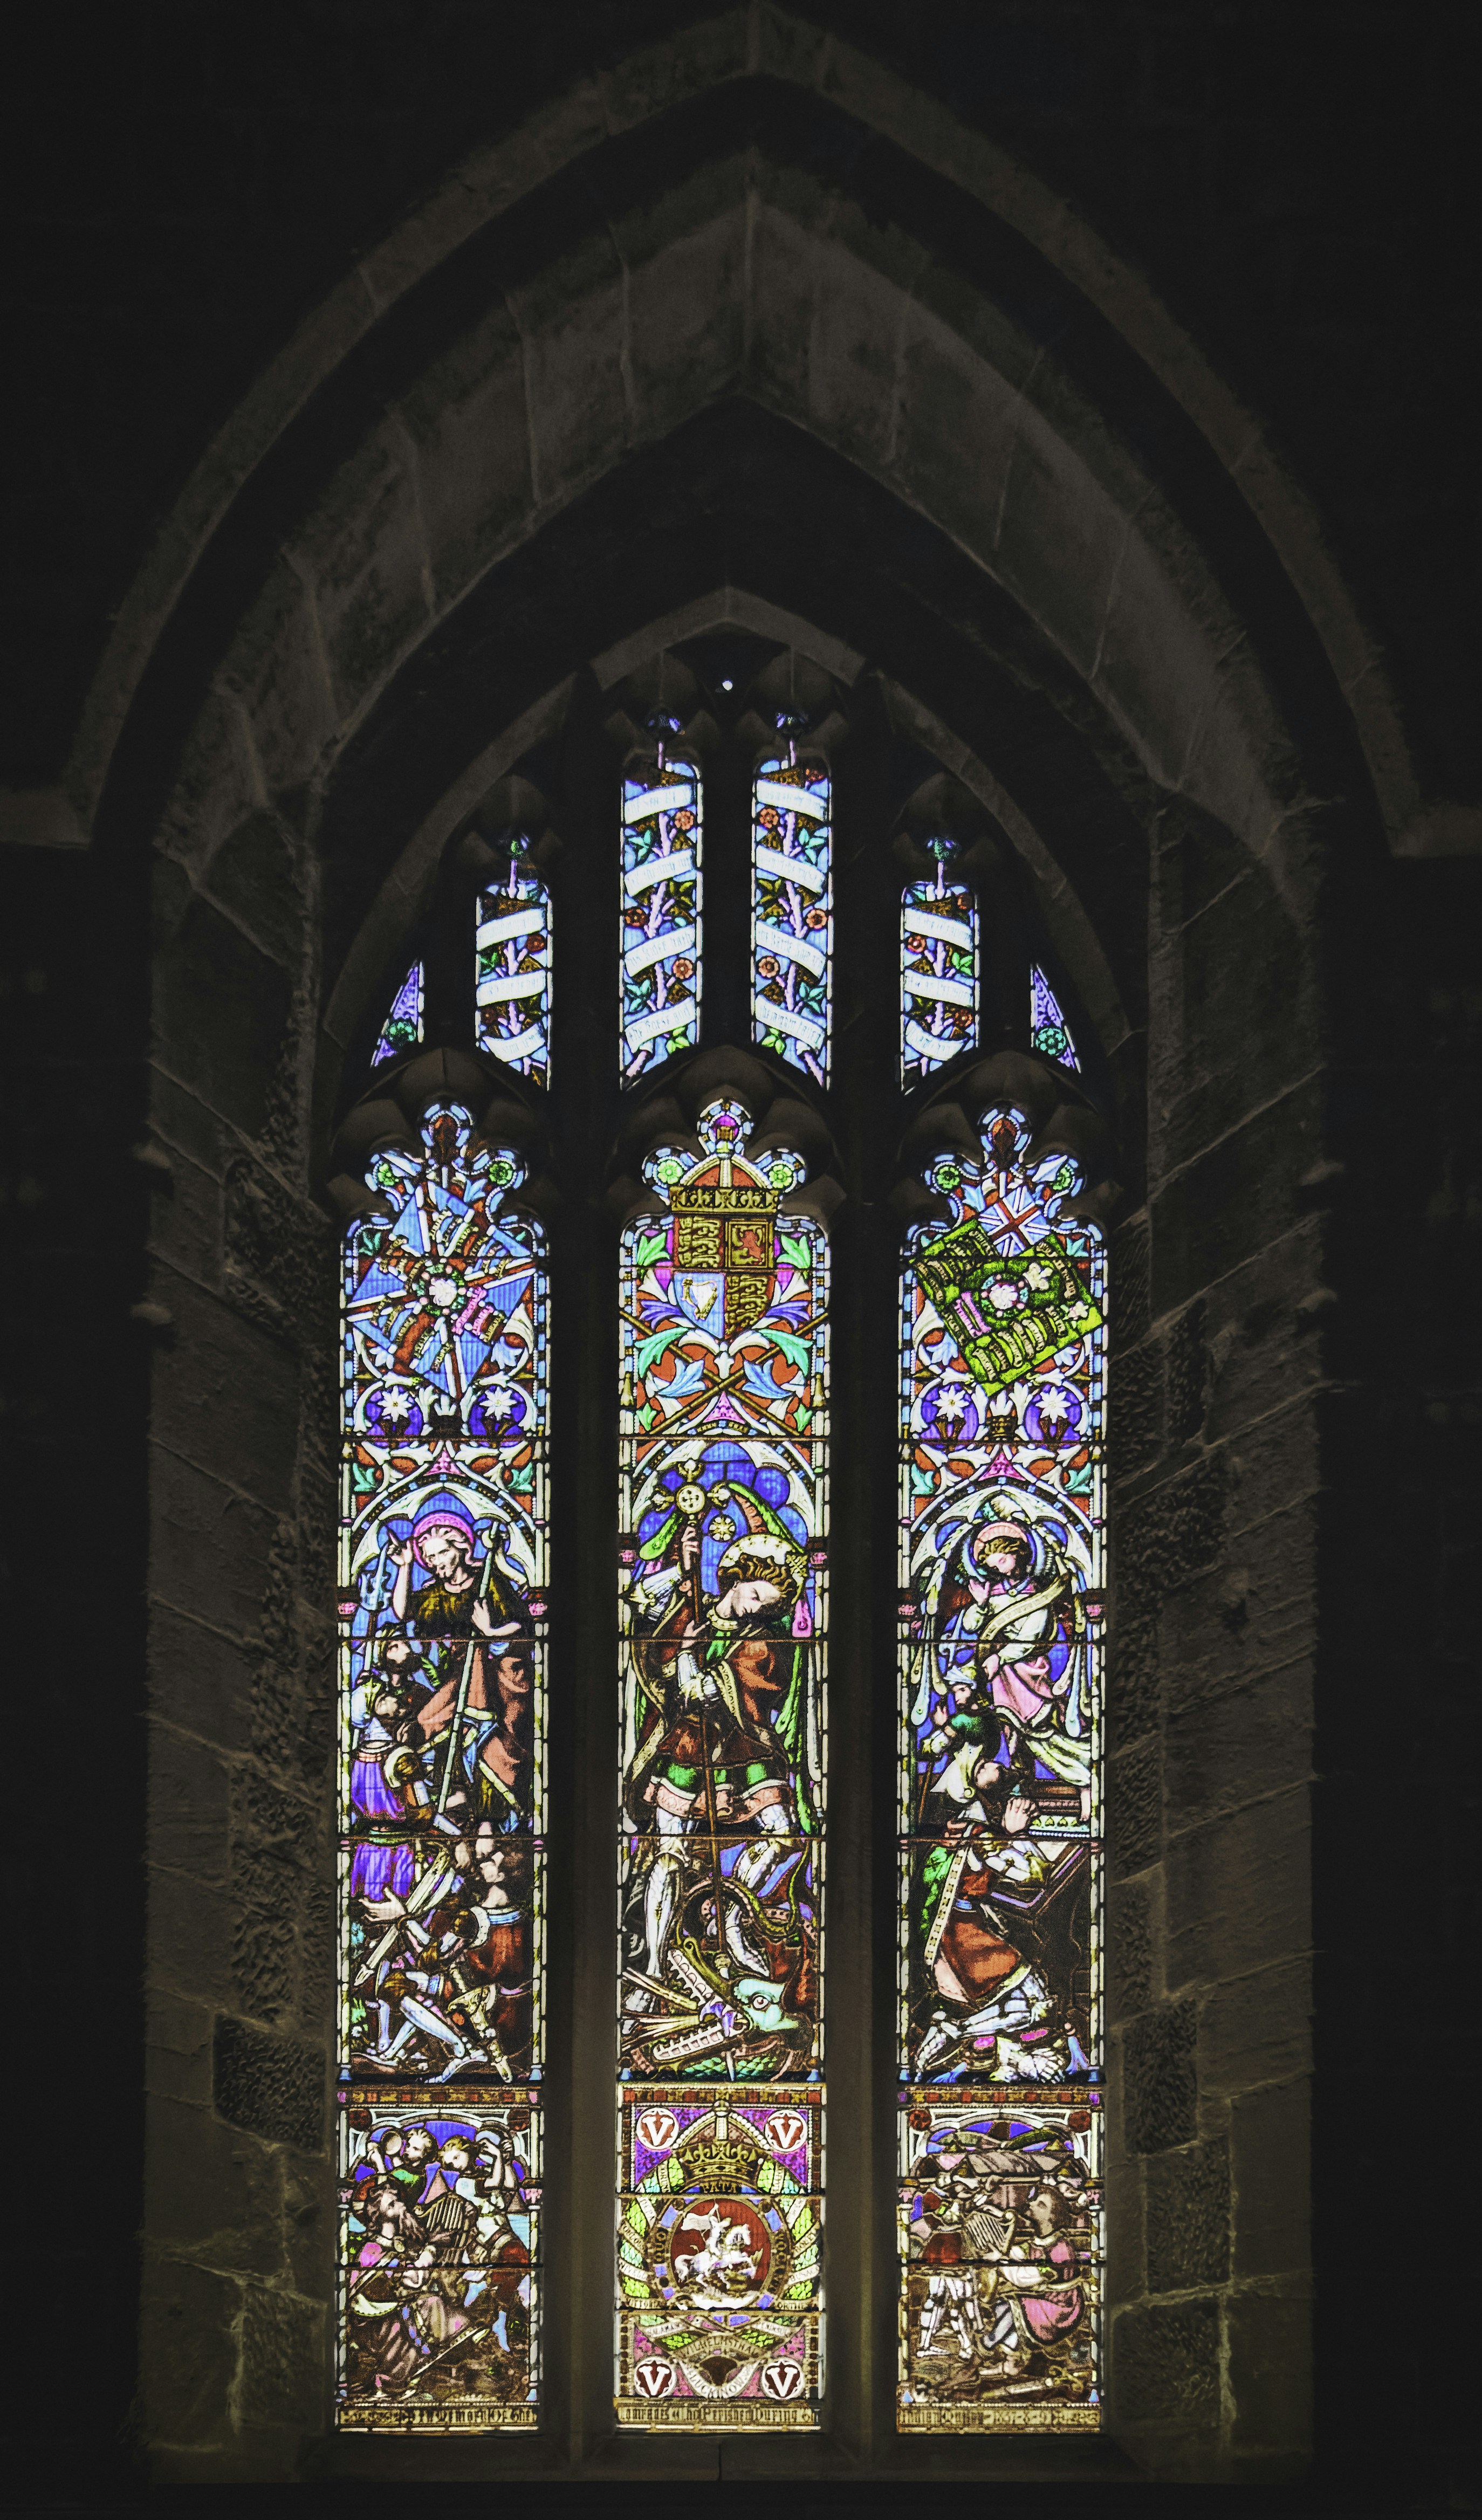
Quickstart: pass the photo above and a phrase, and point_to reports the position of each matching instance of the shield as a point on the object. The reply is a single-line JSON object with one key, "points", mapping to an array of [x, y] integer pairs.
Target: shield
{"points": [[726, 1230], [702, 1298], [652, 2377], [657, 2129]]}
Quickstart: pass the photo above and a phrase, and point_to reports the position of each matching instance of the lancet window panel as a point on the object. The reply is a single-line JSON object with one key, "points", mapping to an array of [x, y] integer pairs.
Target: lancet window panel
{"points": [[1000, 2037], [661, 955], [939, 974], [723, 1503], [402, 1029], [1048, 1031], [512, 972], [442, 1620], [792, 913]]}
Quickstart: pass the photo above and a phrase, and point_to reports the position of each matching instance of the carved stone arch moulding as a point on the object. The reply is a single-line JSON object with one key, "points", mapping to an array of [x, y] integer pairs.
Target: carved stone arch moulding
{"points": [[698, 94]]}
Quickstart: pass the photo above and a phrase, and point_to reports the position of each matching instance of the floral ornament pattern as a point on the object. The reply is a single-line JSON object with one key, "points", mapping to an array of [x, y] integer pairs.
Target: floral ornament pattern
{"points": [[792, 913], [661, 915]]}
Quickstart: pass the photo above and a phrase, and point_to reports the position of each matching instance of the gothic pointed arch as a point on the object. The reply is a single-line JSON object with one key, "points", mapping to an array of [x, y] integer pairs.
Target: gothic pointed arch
{"points": [[558, 453]]}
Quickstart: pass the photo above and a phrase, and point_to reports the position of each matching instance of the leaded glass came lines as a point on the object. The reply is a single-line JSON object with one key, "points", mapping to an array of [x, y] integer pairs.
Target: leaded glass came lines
{"points": [[661, 930], [402, 1029], [1048, 1032], [723, 1508], [939, 975], [512, 985], [1001, 1817], [792, 913], [441, 1715]]}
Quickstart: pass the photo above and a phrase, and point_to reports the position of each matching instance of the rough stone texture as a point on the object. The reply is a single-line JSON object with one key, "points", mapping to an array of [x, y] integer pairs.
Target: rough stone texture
{"points": [[225, 1393], [1165, 2364], [1239, 1892], [468, 419], [211, 1545], [189, 1796], [1257, 2029], [270, 2084], [188, 2350], [1160, 2091], [365, 559], [1135, 1807], [1293, 1015], [1270, 2162], [281, 2348], [222, 1007], [1131, 1946], [178, 2047], [204, 1677], [1271, 2376], [1221, 1751], [211, 2192], [1135, 1432], [1189, 2218]]}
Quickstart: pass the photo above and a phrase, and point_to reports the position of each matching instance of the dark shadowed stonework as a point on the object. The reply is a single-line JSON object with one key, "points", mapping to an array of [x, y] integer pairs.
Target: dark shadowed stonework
{"points": [[1079, 396]]}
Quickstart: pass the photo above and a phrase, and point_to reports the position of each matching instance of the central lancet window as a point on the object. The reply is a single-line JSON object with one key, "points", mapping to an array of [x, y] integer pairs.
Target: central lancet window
{"points": [[717, 1730], [724, 1500]]}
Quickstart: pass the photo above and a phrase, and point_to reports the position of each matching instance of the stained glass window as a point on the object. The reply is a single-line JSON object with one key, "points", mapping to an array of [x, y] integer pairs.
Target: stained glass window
{"points": [[443, 1626], [939, 970], [1000, 2054], [723, 1508], [793, 912], [1048, 1032], [512, 985], [402, 1029], [660, 914]]}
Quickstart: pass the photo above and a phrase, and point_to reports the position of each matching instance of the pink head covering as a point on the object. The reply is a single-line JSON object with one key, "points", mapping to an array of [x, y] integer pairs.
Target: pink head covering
{"points": [[441, 1513]]}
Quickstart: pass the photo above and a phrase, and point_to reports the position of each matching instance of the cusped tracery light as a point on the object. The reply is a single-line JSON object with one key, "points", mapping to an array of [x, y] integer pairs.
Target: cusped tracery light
{"points": [[442, 1782], [1000, 1819]]}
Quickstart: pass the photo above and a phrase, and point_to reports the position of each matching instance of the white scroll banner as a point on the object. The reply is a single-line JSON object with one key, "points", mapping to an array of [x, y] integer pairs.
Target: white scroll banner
{"points": [[504, 985], [930, 923], [517, 1045], [658, 949], [675, 1019], [672, 869], [794, 870], [794, 949], [804, 1028], [941, 986], [515, 922], [669, 800], [933, 1047], [792, 800]]}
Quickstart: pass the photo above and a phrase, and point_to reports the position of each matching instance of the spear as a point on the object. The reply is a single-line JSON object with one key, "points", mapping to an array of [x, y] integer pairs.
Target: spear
{"points": [[460, 1710]]}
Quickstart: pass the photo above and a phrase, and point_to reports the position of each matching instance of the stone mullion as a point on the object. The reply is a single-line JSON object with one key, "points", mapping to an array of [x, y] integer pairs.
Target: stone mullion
{"points": [[585, 891], [866, 1107]]}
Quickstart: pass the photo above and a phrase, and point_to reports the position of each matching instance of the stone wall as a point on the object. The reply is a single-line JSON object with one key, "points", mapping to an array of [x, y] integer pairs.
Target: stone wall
{"points": [[763, 353]]}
